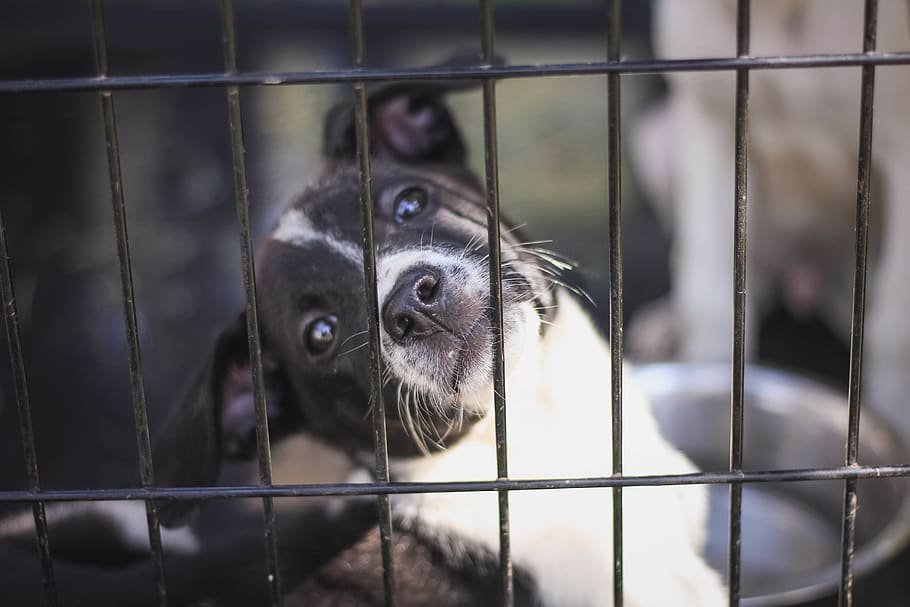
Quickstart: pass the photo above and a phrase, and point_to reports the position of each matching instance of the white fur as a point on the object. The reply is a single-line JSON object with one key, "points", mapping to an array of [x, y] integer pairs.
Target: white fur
{"points": [[295, 228], [392, 265], [128, 516], [804, 133], [559, 427], [414, 365]]}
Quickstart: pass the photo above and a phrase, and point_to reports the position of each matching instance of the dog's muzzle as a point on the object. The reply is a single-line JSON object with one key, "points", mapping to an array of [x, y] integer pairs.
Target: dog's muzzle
{"points": [[415, 309], [430, 311]]}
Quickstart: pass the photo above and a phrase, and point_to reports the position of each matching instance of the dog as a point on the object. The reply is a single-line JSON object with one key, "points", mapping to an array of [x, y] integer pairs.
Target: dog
{"points": [[430, 225], [802, 176], [436, 347]]}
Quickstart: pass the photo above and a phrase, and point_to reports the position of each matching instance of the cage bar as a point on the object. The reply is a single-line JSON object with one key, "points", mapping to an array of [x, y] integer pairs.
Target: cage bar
{"points": [[613, 68], [854, 398], [401, 488], [268, 78], [614, 202], [380, 439], [734, 562], [26, 435], [137, 384], [491, 171], [241, 191]]}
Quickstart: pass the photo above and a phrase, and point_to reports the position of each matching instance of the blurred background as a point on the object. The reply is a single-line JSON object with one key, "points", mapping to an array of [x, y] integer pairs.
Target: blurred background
{"points": [[176, 158]]}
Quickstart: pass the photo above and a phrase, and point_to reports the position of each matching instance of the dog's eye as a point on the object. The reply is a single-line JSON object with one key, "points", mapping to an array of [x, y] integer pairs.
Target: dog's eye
{"points": [[320, 334], [409, 202]]}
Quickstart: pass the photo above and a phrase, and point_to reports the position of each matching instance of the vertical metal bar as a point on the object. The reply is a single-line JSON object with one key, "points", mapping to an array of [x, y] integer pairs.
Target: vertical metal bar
{"points": [[488, 36], [242, 193], [734, 563], [20, 383], [614, 202], [380, 439], [140, 410], [863, 203]]}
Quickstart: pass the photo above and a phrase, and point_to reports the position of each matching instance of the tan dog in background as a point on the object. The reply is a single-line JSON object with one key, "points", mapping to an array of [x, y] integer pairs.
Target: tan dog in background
{"points": [[803, 145]]}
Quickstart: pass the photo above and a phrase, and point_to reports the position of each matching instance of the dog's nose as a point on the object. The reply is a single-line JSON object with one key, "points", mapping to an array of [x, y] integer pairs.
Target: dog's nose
{"points": [[413, 303]]}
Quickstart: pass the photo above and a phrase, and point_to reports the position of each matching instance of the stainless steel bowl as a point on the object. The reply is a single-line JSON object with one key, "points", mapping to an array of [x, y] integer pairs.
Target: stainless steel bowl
{"points": [[791, 531]]}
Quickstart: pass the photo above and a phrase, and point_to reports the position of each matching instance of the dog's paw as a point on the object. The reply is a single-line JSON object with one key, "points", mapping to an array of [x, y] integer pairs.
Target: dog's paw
{"points": [[653, 333]]}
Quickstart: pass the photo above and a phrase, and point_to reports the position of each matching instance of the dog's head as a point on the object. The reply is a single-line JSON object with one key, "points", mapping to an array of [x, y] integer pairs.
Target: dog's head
{"points": [[430, 228]]}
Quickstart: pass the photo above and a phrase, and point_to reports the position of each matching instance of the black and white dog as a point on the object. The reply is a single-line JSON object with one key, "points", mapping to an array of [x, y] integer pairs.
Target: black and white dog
{"points": [[432, 269]]}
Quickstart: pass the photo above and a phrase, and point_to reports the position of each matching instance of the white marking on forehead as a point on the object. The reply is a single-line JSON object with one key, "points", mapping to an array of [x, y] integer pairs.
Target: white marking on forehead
{"points": [[295, 228]]}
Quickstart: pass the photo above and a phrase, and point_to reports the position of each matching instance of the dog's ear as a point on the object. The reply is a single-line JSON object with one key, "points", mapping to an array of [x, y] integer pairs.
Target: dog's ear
{"points": [[217, 420], [408, 121]]}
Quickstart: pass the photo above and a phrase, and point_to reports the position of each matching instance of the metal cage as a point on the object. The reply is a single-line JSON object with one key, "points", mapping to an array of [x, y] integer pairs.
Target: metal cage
{"points": [[613, 67]]}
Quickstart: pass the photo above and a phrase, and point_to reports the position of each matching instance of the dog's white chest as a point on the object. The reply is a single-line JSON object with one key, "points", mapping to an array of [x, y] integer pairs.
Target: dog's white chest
{"points": [[559, 427]]}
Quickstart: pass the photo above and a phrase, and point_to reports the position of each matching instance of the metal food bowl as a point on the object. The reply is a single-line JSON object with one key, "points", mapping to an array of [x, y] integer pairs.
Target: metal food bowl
{"points": [[791, 531]]}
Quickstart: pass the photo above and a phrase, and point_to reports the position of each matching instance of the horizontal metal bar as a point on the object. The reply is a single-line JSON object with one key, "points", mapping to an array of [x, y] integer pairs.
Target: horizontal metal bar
{"points": [[398, 488], [156, 81]]}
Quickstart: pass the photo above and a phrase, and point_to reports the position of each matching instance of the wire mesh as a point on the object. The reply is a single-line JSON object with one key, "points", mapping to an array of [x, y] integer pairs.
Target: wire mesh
{"points": [[232, 80]]}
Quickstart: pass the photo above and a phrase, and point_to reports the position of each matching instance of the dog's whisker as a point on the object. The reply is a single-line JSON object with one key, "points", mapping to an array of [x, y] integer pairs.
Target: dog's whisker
{"points": [[386, 375], [468, 247], [479, 223], [398, 402], [559, 261], [530, 243], [535, 247], [352, 336], [412, 426], [371, 404], [576, 290], [354, 349], [515, 228]]}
